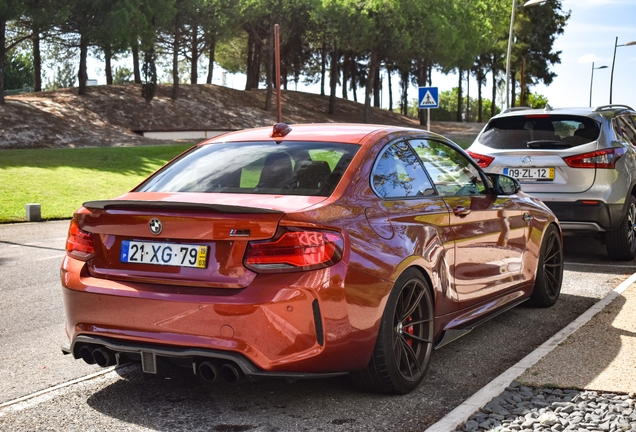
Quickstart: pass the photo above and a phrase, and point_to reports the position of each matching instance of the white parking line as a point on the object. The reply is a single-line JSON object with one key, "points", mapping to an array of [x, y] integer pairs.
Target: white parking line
{"points": [[632, 265], [460, 415], [49, 257], [45, 392]]}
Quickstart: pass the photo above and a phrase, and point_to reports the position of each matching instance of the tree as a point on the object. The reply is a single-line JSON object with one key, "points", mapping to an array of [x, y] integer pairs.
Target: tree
{"points": [[38, 20], [101, 23], [19, 70], [536, 29], [9, 10]]}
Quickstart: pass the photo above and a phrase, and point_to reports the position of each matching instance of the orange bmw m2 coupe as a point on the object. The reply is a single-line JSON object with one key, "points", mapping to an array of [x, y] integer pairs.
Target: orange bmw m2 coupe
{"points": [[305, 251]]}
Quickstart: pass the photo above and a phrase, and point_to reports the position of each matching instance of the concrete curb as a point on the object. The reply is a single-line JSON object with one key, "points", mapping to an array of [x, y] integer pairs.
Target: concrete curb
{"points": [[460, 415]]}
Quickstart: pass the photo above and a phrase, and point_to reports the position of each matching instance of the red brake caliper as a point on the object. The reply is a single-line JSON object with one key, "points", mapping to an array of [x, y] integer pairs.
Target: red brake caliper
{"points": [[409, 330]]}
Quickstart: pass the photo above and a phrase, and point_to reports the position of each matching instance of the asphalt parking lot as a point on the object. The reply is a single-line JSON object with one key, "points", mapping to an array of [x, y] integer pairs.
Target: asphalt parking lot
{"points": [[40, 389]]}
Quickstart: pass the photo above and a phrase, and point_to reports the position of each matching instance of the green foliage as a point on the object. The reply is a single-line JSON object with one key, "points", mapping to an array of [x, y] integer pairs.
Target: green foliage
{"points": [[123, 75], [64, 76], [534, 100], [18, 72], [407, 37]]}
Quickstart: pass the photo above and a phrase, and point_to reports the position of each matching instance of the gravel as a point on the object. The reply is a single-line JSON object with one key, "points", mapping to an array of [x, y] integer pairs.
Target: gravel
{"points": [[521, 408]]}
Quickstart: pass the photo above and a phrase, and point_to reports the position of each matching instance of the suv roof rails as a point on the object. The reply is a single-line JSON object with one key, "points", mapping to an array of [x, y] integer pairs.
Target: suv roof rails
{"points": [[517, 108], [603, 107]]}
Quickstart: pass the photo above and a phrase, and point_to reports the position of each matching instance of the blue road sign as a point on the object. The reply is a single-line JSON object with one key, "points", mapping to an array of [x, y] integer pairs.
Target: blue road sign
{"points": [[428, 97]]}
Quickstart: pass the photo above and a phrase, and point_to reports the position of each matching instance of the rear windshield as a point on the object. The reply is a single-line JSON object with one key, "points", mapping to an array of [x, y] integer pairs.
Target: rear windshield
{"points": [[539, 131], [289, 168]]}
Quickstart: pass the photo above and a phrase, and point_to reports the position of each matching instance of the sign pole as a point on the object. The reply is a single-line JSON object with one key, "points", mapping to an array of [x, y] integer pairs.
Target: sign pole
{"points": [[428, 119], [279, 112]]}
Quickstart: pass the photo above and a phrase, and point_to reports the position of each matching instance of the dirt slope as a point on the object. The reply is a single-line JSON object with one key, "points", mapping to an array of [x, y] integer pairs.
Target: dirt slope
{"points": [[114, 115]]}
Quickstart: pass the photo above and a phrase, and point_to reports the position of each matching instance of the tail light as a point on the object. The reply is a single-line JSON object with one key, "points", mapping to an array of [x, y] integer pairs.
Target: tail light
{"points": [[79, 244], [597, 159], [295, 251], [482, 160]]}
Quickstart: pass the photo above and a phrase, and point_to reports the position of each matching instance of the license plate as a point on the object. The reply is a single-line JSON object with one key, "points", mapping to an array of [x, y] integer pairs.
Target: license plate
{"points": [[167, 254], [530, 173]]}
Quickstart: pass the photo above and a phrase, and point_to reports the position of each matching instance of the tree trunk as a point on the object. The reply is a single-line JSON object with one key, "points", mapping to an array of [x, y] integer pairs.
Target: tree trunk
{"points": [[3, 55], [493, 105], [250, 60], [212, 44], [370, 85], [194, 63], [404, 87], [134, 47], [345, 74], [253, 62], [269, 64], [175, 66], [460, 97], [522, 91], [354, 78], [108, 56], [323, 68], [377, 85], [333, 80], [82, 76], [422, 77], [468, 95], [513, 88], [388, 72], [37, 62], [480, 102]]}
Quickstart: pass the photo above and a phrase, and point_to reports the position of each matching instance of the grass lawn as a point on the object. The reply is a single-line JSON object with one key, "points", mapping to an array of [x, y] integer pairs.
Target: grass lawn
{"points": [[60, 180]]}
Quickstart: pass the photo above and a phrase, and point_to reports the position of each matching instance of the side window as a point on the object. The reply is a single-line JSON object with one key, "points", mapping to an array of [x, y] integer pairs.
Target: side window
{"points": [[628, 129], [398, 173], [452, 173]]}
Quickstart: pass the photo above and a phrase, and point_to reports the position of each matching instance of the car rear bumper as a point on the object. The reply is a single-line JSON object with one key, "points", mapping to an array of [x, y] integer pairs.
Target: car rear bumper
{"points": [[293, 323], [154, 357], [591, 216]]}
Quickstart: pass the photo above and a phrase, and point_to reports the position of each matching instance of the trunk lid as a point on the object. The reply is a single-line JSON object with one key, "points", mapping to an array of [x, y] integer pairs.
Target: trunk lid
{"points": [[222, 224]]}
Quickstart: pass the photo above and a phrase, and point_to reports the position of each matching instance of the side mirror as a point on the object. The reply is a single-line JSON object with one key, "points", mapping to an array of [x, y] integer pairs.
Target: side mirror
{"points": [[504, 185]]}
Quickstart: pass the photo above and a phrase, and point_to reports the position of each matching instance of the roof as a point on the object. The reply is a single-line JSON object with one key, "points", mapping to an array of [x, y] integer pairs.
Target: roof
{"points": [[594, 112], [350, 133]]}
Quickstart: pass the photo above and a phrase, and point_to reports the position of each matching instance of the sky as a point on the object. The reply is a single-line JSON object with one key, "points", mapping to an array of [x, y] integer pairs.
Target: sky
{"points": [[590, 35]]}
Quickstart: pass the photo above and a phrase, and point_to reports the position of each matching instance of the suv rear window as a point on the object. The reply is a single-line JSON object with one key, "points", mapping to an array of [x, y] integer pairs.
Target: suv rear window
{"points": [[289, 168], [539, 131]]}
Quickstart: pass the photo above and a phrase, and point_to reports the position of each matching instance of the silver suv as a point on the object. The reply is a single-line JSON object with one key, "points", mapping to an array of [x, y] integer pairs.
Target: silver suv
{"points": [[580, 161]]}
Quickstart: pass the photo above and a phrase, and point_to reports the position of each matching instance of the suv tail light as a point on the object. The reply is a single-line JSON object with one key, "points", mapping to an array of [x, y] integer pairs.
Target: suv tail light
{"points": [[294, 251], [482, 160], [597, 159], [79, 244]]}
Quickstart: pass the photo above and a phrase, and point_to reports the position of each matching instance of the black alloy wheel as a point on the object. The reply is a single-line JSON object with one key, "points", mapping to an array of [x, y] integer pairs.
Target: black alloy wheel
{"points": [[621, 243], [549, 276], [405, 339]]}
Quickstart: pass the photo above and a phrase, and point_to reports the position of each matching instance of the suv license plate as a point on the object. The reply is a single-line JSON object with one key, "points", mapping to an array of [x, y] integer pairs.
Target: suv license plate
{"points": [[530, 173], [167, 254]]}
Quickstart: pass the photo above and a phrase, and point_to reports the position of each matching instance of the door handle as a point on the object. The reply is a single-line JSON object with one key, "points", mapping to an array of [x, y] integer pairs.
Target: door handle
{"points": [[461, 211], [527, 217]]}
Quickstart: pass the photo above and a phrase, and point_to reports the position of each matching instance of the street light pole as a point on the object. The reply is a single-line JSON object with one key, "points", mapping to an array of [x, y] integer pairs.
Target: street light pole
{"points": [[592, 79], [616, 45], [510, 36]]}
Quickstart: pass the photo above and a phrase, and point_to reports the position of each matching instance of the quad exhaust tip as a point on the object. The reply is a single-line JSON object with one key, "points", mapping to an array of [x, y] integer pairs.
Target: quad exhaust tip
{"points": [[102, 356], [208, 370]]}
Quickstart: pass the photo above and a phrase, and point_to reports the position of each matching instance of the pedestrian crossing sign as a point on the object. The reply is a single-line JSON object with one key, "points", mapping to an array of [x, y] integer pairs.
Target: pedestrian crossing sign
{"points": [[428, 97]]}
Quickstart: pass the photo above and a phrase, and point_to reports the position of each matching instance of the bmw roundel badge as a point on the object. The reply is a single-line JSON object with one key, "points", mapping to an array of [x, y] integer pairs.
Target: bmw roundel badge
{"points": [[155, 226]]}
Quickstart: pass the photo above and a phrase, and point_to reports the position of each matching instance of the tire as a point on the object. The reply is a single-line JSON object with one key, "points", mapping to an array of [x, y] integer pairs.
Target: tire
{"points": [[621, 243], [547, 285], [405, 340]]}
